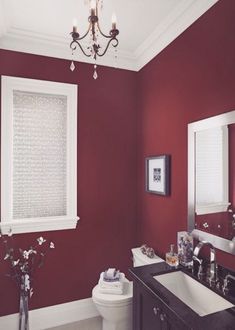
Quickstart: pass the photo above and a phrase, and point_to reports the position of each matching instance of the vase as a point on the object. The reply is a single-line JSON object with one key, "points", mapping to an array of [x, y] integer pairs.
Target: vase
{"points": [[24, 307]]}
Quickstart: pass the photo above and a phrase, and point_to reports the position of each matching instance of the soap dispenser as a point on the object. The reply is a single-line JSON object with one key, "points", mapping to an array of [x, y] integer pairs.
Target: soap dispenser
{"points": [[172, 257]]}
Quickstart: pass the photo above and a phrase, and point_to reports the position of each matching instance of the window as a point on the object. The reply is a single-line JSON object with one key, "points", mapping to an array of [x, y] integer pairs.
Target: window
{"points": [[38, 156], [212, 170]]}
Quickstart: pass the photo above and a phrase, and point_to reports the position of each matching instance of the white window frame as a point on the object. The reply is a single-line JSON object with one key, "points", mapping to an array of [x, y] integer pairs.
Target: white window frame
{"points": [[69, 221]]}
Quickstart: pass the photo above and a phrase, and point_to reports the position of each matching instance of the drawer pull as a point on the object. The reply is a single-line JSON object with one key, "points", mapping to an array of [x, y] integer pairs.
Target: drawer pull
{"points": [[162, 317]]}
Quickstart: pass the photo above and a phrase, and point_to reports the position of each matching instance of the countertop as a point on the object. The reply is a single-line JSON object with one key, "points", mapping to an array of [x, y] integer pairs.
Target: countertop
{"points": [[223, 320]]}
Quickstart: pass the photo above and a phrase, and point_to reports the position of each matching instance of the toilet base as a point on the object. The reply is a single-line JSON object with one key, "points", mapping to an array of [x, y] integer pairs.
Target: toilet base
{"points": [[122, 325]]}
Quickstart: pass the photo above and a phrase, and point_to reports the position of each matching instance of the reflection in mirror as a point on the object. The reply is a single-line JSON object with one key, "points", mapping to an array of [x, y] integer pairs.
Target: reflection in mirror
{"points": [[211, 180], [211, 170]]}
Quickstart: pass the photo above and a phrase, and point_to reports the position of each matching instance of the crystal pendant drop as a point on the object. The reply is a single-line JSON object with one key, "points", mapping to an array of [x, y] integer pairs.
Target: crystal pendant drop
{"points": [[95, 75], [72, 66]]}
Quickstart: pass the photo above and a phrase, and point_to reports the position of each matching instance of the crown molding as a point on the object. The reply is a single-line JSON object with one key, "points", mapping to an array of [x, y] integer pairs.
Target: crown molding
{"points": [[175, 23], [3, 25], [178, 20], [53, 46]]}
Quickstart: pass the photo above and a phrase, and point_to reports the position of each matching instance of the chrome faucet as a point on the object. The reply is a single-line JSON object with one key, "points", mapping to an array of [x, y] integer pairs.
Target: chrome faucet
{"points": [[225, 288], [213, 267]]}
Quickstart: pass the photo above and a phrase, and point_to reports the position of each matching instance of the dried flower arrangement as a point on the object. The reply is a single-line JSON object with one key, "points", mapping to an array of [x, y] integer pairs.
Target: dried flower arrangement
{"points": [[23, 264]]}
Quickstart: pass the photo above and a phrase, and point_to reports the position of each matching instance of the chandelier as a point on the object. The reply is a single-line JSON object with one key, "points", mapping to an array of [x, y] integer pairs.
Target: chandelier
{"points": [[94, 32]]}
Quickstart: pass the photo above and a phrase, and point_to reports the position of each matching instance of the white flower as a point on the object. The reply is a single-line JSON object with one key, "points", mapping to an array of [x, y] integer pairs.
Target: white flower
{"points": [[15, 263], [52, 245], [31, 251], [22, 268], [6, 256], [26, 254], [41, 240]]}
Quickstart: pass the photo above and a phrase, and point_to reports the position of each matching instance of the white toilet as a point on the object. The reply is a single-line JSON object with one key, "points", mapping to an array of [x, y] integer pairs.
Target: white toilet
{"points": [[116, 310]]}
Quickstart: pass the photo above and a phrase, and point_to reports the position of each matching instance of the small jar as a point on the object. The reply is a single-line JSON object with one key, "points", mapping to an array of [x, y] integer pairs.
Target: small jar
{"points": [[172, 257]]}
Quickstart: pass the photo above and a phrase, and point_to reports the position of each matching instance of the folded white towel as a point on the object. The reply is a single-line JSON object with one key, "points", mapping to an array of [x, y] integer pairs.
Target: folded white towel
{"points": [[115, 287], [121, 278], [110, 291], [110, 285]]}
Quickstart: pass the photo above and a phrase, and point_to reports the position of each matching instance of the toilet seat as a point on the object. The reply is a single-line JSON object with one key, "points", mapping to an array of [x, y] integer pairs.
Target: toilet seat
{"points": [[113, 299]]}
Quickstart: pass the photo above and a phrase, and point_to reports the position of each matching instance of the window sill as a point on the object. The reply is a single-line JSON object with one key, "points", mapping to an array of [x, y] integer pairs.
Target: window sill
{"points": [[212, 208], [39, 225]]}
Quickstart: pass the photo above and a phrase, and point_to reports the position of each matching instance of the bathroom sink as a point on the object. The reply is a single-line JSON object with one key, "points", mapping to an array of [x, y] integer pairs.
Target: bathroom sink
{"points": [[195, 295]]}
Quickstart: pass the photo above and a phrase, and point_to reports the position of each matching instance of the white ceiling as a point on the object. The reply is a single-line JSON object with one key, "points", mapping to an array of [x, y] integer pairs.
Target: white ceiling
{"points": [[146, 27]]}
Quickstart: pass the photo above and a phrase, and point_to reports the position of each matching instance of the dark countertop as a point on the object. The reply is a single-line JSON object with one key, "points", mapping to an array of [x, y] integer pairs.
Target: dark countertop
{"points": [[223, 320]]}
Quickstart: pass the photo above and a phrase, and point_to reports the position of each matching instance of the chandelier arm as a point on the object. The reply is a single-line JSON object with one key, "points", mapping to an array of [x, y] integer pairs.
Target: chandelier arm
{"points": [[73, 47], [88, 30], [104, 35], [106, 48]]}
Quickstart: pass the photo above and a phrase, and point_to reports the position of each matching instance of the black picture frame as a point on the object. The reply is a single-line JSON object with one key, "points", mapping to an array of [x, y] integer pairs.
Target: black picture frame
{"points": [[157, 171]]}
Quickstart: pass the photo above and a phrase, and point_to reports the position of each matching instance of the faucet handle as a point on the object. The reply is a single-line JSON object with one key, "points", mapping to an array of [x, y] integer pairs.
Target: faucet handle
{"points": [[227, 279], [200, 271], [197, 259]]}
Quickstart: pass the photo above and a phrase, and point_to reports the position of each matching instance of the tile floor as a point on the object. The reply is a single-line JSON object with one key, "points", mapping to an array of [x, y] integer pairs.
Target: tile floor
{"points": [[89, 324]]}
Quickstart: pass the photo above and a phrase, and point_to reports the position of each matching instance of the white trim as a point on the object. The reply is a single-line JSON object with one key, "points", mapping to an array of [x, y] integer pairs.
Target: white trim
{"points": [[226, 118], [186, 13], [207, 123], [3, 25], [53, 316], [212, 208], [9, 84], [33, 43], [39, 225]]}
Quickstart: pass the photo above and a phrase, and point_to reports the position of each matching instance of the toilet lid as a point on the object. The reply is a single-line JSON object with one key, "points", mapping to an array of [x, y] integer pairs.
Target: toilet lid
{"points": [[114, 299]]}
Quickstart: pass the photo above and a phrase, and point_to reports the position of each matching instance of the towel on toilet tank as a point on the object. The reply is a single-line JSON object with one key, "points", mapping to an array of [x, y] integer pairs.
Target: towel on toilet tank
{"points": [[112, 284]]}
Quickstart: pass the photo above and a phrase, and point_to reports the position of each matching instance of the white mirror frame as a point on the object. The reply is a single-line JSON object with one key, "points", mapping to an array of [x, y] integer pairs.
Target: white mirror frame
{"points": [[220, 120]]}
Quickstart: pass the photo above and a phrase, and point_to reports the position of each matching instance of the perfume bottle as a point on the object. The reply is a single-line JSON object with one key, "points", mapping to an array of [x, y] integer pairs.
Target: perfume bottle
{"points": [[172, 257]]}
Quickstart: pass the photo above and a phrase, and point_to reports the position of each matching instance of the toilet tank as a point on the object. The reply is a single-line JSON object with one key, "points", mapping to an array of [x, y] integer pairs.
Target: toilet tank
{"points": [[140, 259]]}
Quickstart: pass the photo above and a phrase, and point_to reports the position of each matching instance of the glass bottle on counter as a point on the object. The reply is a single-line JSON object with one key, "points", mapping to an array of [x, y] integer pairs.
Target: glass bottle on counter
{"points": [[172, 257]]}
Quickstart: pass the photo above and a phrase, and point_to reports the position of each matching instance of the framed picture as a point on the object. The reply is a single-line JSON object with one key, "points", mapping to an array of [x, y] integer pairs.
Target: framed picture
{"points": [[157, 175]]}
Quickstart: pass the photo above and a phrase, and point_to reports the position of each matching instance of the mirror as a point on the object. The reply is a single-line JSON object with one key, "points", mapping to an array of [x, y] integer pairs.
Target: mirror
{"points": [[211, 180]]}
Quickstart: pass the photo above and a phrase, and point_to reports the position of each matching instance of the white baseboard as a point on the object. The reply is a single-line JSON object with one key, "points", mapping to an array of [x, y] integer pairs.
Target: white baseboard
{"points": [[53, 316]]}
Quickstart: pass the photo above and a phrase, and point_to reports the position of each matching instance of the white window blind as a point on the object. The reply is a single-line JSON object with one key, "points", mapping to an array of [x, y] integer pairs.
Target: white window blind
{"points": [[212, 170], [39, 149]]}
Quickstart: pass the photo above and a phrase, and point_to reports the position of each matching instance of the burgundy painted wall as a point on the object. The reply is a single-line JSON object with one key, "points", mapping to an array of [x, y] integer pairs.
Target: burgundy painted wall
{"points": [[106, 183], [120, 113], [192, 79]]}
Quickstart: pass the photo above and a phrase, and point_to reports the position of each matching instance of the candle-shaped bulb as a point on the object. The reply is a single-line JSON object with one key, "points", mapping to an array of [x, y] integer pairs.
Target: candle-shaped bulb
{"points": [[75, 25], [114, 21], [93, 7]]}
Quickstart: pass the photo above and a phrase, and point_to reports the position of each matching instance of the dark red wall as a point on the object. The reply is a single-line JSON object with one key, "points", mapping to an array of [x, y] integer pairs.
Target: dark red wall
{"points": [[106, 183], [192, 79], [119, 114]]}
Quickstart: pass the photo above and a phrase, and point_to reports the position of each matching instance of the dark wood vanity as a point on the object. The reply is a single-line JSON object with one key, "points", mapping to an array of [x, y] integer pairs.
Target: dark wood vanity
{"points": [[155, 307]]}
